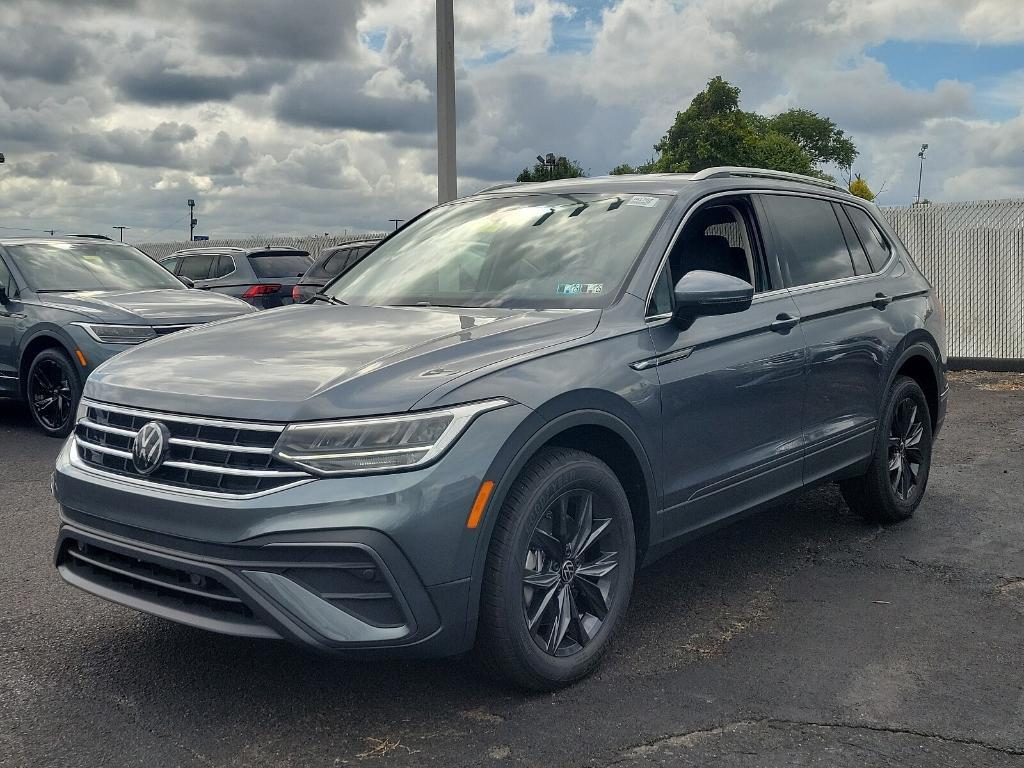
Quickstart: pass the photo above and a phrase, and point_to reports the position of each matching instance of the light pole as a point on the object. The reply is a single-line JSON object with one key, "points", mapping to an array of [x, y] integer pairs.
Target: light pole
{"points": [[920, 172], [396, 222], [120, 232], [447, 179], [549, 162], [192, 220]]}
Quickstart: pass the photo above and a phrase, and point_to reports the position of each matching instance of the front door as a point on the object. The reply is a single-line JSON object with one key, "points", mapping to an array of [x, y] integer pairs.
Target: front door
{"points": [[732, 386]]}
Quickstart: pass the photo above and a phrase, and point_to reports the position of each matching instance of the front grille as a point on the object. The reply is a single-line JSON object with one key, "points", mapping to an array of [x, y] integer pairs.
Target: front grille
{"points": [[205, 455], [194, 593]]}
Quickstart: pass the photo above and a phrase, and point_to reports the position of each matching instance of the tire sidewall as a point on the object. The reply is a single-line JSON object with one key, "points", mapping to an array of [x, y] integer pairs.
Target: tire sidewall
{"points": [[64, 361], [584, 473]]}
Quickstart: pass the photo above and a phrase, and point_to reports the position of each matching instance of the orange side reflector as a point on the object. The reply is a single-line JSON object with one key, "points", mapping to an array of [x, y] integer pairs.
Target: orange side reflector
{"points": [[482, 496], [81, 358]]}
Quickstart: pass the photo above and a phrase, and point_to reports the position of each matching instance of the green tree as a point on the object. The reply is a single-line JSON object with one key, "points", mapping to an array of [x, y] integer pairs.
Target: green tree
{"points": [[713, 131], [563, 168]]}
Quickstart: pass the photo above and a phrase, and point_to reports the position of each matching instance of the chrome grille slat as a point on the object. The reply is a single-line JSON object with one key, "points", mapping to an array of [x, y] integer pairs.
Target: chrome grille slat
{"points": [[208, 456]]}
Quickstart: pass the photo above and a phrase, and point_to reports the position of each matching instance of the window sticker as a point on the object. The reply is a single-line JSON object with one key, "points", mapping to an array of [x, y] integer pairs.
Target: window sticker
{"points": [[571, 289], [644, 201]]}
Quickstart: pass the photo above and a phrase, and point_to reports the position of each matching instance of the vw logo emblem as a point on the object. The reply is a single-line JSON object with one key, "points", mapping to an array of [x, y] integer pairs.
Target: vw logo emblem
{"points": [[568, 571], [150, 447]]}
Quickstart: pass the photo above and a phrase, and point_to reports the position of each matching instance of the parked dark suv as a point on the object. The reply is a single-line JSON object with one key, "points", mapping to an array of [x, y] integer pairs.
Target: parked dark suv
{"points": [[328, 265], [485, 426], [68, 304], [263, 277]]}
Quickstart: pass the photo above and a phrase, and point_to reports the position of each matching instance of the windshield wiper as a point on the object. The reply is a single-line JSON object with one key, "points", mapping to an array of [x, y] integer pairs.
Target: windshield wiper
{"points": [[328, 299]]}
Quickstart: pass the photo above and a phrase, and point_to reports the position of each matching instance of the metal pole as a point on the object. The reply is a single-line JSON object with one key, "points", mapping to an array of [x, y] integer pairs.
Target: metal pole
{"points": [[120, 232], [447, 179], [920, 175]]}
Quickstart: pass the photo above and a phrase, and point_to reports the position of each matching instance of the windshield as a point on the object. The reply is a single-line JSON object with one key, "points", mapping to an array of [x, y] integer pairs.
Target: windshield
{"points": [[536, 251], [88, 266]]}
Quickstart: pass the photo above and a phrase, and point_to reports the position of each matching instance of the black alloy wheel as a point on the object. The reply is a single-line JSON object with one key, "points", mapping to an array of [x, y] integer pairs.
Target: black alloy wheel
{"points": [[569, 575], [53, 392], [559, 571], [895, 481]]}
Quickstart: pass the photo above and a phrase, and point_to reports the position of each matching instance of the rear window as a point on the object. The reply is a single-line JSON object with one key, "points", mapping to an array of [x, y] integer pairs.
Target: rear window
{"points": [[280, 264]]}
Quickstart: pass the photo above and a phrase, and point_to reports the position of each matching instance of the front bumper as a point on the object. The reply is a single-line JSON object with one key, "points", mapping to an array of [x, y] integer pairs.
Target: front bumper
{"points": [[354, 593], [361, 564]]}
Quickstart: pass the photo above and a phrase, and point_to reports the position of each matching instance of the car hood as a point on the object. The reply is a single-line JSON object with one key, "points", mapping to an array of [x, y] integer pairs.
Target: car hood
{"points": [[318, 361], [152, 307]]}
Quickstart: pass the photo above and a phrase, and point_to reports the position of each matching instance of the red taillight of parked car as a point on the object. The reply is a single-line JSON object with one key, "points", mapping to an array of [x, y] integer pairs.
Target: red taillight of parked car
{"points": [[260, 290], [296, 293]]}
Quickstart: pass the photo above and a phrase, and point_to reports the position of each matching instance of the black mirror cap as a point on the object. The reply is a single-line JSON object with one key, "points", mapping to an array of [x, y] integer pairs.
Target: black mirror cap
{"points": [[189, 283], [701, 293]]}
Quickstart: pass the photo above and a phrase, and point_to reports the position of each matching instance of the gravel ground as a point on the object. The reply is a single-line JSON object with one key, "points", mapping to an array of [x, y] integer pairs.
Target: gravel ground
{"points": [[800, 637]]}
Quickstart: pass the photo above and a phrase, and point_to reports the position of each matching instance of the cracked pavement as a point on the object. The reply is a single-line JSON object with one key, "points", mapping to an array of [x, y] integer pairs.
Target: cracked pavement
{"points": [[798, 637]]}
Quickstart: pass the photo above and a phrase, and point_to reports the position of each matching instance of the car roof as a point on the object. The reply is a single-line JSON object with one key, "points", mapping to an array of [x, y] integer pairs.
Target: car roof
{"points": [[674, 183], [219, 249], [33, 240]]}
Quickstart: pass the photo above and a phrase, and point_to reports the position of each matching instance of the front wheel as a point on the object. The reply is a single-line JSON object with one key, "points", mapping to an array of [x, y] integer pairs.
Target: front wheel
{"points": [[53, 392], [559, 571], [898, 474]]}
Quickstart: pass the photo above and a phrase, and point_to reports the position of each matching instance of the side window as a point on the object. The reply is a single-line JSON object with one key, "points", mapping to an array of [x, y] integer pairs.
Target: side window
{"points": [[196, 267], [811, 245], [860, 259], [874, 241], [337, 263], [225, 266], [171, 264], [719, 238], [661, 299], [7, 280]]}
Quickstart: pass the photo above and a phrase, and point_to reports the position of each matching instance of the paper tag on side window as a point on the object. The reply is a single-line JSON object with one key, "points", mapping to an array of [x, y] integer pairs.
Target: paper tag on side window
{"points": [[644, 201]]}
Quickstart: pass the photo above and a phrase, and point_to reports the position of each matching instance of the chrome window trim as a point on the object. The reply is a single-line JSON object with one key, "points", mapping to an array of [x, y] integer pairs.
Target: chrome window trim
{"points": [[893, 255], [147, 485], [203, 420]]}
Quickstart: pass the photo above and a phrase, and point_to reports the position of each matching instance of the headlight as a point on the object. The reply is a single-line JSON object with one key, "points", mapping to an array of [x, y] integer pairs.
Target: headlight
{"points": [[380, 444], [118, 334]]}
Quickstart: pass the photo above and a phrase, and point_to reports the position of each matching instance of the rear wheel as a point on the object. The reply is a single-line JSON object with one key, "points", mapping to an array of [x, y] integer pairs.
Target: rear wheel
{"points": [[559, 571], [53, 392], [896, 479]]}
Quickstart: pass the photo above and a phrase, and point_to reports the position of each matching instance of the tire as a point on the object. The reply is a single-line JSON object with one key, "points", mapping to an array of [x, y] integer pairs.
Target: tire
{"points": [[53, 391], [895, 481], [531, 597]]}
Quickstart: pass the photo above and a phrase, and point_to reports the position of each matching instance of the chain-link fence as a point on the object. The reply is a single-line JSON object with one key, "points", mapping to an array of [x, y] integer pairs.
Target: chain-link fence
{"points": [[314, 245], [973, 253]]}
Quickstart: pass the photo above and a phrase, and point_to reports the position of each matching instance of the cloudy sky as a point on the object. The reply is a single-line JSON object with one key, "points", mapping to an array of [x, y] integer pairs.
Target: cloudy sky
{"points": [[302, 116]]}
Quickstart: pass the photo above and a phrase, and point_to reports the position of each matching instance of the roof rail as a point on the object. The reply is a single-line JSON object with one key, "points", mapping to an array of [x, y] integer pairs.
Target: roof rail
{"points": [[726, 171]]}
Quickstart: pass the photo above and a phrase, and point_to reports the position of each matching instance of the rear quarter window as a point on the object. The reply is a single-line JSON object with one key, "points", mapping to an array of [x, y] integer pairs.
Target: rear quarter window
{"points": [[279, 264], [874, 242]]}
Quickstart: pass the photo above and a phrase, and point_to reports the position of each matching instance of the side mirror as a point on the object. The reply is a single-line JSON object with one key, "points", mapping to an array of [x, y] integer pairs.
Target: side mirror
{"points": [[701, 293], [188, 281]]}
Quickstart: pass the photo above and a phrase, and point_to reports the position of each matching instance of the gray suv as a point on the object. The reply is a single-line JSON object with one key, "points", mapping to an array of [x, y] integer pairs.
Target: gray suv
{"points": [[475, 435], [264, 277], [68, 304]]}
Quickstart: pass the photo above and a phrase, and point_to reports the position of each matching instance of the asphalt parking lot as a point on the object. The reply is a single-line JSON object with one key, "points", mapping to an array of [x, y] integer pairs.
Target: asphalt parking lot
{"points": [[802, 636]]}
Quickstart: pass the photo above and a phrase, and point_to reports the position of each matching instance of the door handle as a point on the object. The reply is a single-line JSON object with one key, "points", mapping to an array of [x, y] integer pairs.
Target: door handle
{"points": [[881, 301], [783, 323]]}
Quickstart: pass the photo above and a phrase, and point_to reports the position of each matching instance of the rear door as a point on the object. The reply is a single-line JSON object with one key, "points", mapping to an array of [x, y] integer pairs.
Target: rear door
{"points": [[844, 324], [732, 386], [196, 267]]}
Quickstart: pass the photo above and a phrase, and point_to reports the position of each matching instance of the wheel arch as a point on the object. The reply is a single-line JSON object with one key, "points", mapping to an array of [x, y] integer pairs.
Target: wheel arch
{"points": [[32, 346], [593, 431], [920, 360]]}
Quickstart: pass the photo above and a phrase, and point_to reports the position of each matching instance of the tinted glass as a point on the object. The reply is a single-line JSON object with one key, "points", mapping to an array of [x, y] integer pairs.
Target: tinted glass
{"points": [[88, 266], [225, 266], [197, 267], [661, 299], [811, 244], [860, 259], [170, 264], [280, 264], [540, 250], [331, 263], [7, 280], [871, 238]]}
